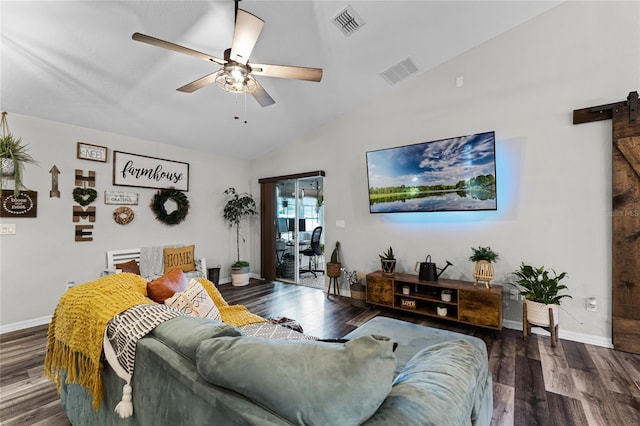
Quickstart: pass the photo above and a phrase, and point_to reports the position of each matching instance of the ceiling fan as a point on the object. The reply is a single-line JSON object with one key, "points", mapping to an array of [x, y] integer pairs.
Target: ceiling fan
{"points": [[237, 73]]}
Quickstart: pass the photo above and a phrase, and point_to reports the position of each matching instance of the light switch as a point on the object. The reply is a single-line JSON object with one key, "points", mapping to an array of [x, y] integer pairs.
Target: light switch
{"points": [[340, 224], [8, 228]]}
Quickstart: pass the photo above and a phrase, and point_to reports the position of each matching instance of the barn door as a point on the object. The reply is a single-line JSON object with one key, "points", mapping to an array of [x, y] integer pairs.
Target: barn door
{"points": [[625, 217]]}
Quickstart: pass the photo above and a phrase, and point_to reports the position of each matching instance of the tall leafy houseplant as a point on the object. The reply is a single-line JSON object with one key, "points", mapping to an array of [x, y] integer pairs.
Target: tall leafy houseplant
{"points": [[14, 156], [239, 206]]}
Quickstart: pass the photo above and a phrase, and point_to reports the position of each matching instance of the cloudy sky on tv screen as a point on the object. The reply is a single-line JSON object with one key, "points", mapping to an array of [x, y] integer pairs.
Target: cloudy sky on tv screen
{"points": [[445, 175]]}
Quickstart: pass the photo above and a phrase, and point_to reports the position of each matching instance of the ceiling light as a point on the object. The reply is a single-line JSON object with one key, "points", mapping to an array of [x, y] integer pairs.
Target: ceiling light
{"points": [[235, 78]]}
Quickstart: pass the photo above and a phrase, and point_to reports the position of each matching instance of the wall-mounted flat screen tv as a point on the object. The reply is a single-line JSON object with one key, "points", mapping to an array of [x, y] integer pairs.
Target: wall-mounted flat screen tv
{"points": [[455, 174]]}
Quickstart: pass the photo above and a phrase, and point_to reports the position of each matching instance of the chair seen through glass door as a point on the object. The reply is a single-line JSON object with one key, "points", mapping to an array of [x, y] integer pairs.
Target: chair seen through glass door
{"points": [[299, 210]]}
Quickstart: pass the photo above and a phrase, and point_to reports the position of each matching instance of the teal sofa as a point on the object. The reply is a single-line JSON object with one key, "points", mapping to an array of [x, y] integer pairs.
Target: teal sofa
{"points": [[433, 377]]}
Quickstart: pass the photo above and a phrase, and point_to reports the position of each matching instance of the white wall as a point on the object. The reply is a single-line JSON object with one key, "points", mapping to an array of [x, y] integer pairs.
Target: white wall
{"points": [[554, 178], [37, 262]]}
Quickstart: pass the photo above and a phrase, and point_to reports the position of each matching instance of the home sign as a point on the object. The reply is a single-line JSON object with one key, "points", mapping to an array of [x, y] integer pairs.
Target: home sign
{"points": [[149, 172]]}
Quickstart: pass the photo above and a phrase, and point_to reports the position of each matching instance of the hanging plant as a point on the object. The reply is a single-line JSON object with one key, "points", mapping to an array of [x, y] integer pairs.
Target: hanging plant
{"points": [[179, 214], [14, 156], [84, 196]]}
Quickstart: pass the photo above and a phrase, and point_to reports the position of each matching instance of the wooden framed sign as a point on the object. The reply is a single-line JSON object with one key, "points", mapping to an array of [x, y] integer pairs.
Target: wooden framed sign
{"points": [[24, 205], [90, 152], [149, 172], [121, 198]]}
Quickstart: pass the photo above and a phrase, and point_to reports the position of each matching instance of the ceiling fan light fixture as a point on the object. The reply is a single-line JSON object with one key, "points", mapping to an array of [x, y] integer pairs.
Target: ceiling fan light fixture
{"points": [[235, 79]]}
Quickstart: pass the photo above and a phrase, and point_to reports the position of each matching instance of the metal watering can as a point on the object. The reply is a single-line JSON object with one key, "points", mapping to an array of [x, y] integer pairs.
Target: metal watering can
{"points": [[428, 270]]}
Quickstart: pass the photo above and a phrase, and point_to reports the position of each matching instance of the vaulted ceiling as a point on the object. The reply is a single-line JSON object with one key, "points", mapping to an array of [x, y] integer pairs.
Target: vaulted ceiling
{"points": [[75, 62]]}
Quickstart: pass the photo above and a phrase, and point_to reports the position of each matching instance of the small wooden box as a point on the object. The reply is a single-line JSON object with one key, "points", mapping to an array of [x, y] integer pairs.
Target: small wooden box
{"points": [[408, 303]]}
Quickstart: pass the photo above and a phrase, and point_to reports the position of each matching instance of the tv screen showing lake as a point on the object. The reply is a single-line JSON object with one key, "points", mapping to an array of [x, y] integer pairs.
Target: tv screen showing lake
{"points": [[455, 174]]}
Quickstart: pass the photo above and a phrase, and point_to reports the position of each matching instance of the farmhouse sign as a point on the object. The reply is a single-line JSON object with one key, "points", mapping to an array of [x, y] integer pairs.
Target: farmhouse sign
{"points": [[149, 172]]}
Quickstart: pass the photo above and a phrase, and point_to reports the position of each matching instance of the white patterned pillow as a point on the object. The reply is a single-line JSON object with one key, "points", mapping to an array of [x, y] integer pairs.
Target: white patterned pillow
{"points": [[195, 301]]}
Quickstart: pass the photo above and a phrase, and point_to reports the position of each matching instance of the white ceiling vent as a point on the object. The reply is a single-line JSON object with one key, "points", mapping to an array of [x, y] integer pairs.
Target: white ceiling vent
{"points": [[348, 21], [399, 71]]}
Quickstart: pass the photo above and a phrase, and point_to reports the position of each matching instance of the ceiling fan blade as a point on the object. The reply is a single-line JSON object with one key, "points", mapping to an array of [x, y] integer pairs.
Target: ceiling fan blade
{"points": [[285, 71], [245, 35], [176, 48], [261, 95], [198, 84]]}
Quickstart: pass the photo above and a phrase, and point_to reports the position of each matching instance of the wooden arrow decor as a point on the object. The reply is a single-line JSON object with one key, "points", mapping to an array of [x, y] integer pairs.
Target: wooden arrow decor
{"points": [[54, 182]]}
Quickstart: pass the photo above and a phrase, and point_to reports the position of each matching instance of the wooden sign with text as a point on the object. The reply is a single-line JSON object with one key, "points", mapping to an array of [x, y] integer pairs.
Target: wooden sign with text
{"points": [[121, 198], [25, 205], [149, 172]]}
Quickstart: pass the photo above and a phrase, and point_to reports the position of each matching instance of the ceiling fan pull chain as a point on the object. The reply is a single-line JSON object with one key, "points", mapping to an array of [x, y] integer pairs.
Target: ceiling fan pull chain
{"points": [[245, 108]]}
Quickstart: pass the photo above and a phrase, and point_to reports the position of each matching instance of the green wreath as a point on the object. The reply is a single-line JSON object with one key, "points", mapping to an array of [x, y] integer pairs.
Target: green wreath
{"points": [[176, 216], [84, 196]]}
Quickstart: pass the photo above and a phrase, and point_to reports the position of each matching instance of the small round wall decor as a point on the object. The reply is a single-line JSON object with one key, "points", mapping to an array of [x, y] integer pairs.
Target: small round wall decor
{"points": [[84, 196], [123, 215], [158, 206]]}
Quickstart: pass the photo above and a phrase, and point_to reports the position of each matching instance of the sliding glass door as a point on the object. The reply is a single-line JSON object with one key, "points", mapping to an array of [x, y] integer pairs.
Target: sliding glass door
{"points": [[291, 209], [299, 211]]}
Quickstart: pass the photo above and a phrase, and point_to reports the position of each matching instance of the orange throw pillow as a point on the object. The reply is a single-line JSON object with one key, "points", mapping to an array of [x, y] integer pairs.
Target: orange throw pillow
{"points": [[130, 266], [167, 285], [181, 257]]}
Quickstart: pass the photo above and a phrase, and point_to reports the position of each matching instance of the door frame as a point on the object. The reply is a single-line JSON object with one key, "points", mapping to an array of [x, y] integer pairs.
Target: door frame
{"points": [[268, 220]]}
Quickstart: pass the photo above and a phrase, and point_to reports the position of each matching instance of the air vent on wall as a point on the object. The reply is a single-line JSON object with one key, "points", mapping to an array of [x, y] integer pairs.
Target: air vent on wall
{"points": [[399, 71], [348, 21]]}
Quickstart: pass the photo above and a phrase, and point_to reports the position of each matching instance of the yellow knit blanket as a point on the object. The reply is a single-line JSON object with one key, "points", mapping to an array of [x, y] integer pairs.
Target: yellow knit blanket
{"points": [[75, 336], [237, 315]]}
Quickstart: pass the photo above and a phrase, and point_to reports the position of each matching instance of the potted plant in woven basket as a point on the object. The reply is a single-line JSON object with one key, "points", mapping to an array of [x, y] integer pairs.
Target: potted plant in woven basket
{"points": [[334, 266], [357, 288], [388, 262], [484, 257], [540, 290], [239, 207]]}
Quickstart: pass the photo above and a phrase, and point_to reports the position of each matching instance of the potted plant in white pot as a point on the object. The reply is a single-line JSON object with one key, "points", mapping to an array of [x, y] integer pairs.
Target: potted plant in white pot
{"points": [[14, 156], [238, 207], [484, 257], [541, 293], [445, 295]]}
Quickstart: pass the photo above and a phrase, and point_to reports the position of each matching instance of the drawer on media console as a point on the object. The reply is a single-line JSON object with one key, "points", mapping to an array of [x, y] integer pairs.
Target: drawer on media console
{"points": [[379, 290], [481, 307]]}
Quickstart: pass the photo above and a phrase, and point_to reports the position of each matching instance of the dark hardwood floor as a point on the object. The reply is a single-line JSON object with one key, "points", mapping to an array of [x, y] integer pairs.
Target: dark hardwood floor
{"points": [[534, 384]]}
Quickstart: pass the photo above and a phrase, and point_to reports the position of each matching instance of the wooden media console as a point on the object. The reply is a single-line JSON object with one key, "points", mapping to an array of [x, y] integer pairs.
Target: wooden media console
{"points": [[479, 306]]}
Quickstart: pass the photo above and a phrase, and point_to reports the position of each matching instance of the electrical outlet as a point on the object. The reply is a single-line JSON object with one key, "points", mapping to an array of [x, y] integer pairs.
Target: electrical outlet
{"points": [[592, 304], [8, 229], [70, 284]]}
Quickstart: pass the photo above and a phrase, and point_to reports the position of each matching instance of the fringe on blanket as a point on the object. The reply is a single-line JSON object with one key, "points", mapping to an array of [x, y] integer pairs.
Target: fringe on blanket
{"points": [[120, 339]]}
